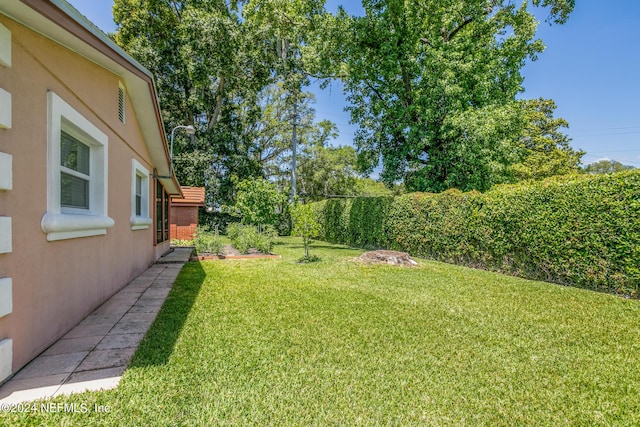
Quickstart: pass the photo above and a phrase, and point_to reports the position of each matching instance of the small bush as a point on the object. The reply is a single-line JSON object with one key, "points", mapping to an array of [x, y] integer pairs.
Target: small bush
{"points": [[257, 201], [181, 243], [233, 230], [264, 243], [307, 259], [245, 237], [266, 238], [207, 241]]}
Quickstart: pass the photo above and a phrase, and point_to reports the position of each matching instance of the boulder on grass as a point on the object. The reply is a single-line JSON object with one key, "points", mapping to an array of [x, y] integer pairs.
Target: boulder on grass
{"points": [[387, 257]]}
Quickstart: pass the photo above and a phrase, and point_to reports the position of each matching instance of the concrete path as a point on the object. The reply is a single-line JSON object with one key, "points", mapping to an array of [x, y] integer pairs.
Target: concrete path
{"points": [[95, 354]]}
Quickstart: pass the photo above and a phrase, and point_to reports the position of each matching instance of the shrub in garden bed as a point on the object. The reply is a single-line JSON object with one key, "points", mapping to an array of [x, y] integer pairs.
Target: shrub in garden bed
{"points": [[207, 241], [181, 243], [245, 237], [578, 230]]}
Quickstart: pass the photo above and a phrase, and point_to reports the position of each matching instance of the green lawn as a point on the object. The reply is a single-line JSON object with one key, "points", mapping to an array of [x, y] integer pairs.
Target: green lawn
{"points": [[272, 342]]}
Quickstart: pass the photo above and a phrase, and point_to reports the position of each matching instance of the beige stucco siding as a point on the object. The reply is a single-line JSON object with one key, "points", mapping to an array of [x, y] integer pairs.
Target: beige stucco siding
{"points": [[57, 283]]}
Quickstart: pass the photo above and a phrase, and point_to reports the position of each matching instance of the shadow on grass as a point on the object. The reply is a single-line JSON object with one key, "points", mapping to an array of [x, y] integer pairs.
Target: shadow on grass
{"points": [[159, 343]]}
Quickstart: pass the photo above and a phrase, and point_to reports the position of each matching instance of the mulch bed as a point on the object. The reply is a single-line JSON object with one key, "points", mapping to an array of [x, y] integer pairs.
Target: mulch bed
{"points": [[248, 256], [229, 252]]}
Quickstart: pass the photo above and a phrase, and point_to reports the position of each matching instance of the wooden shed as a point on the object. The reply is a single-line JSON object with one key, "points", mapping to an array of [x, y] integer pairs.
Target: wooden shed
{"points": [[184, 213]]}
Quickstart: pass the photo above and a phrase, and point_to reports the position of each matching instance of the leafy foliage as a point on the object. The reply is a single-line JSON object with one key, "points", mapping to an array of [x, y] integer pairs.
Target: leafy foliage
{"points": [[432, 85], [357, 222], [579, 230], [207, 242], [258, 201], [286, 25], [327, 171], [322, 170], [606, 166], [546, 148], [244, 237], [368, 187], [209, 72]]}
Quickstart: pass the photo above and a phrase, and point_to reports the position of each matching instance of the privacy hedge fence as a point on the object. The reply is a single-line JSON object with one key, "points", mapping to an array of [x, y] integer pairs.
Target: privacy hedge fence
{"points": [[581, 230]]}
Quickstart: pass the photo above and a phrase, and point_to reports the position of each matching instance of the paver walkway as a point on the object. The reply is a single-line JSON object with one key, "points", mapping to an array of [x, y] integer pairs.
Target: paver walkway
{"points": [[95, 354]]}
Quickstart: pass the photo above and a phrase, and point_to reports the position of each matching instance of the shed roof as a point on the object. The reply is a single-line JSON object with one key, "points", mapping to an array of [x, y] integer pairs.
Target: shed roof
{"points": [[193, 196]]}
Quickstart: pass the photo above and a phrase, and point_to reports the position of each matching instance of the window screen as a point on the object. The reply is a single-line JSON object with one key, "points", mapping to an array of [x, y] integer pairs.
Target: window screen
{"points": [[74, 172]]}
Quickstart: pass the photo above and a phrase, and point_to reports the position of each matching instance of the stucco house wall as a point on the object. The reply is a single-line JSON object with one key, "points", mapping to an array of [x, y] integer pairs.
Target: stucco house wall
{"points": [[52, 280]]}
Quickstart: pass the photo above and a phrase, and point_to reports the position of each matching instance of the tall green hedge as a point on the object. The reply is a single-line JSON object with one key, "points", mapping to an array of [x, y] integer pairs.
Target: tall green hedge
{"points": [[580, 230]]}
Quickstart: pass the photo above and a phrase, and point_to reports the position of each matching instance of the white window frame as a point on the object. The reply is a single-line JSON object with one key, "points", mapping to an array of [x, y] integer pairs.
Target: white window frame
{"points": [[59, 222], [142, 221]]}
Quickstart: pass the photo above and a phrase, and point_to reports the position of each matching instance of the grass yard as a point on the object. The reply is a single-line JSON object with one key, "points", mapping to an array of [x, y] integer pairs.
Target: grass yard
{"points": [[272, 342]]}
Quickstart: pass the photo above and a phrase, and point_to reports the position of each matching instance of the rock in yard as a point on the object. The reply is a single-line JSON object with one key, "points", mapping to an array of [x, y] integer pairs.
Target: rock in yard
{"points": [[387, 257]]}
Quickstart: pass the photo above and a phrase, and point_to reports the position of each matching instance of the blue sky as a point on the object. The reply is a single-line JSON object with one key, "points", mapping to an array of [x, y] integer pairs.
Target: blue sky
{"points": [[590, 68]]}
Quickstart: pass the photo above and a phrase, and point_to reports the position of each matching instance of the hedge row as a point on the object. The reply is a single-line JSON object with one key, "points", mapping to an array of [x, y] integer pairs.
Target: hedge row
{"points": [[581, 230]]}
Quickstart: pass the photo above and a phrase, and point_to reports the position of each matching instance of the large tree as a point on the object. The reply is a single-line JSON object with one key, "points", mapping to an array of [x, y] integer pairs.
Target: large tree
{"points": [[223, 66], [432, 85], [201, 55], [287, 24], [326, 172], [209, 70]]}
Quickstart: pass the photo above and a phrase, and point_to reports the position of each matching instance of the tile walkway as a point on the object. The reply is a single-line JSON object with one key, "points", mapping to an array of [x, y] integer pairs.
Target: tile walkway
{"points": [[95, 354]]}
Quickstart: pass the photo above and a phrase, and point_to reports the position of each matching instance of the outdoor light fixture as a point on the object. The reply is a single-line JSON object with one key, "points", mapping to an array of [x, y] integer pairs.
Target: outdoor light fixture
{"points": [[190, 130]]}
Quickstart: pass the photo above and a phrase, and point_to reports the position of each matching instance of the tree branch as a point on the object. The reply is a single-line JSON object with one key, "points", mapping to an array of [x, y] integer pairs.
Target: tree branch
{"points": [[448, 36], [374, 90], [219, 98], [176, 10]]}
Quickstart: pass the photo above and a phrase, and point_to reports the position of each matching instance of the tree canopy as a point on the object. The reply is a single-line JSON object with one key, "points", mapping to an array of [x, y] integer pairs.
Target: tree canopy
{"points": [[258, 201], [432, 85], [606, 166], [545, 148], [209, 72]]}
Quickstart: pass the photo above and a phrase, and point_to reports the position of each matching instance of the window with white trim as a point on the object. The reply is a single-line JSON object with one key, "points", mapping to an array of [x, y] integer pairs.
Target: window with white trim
{"points": [[77, 179], [140, 219]]}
